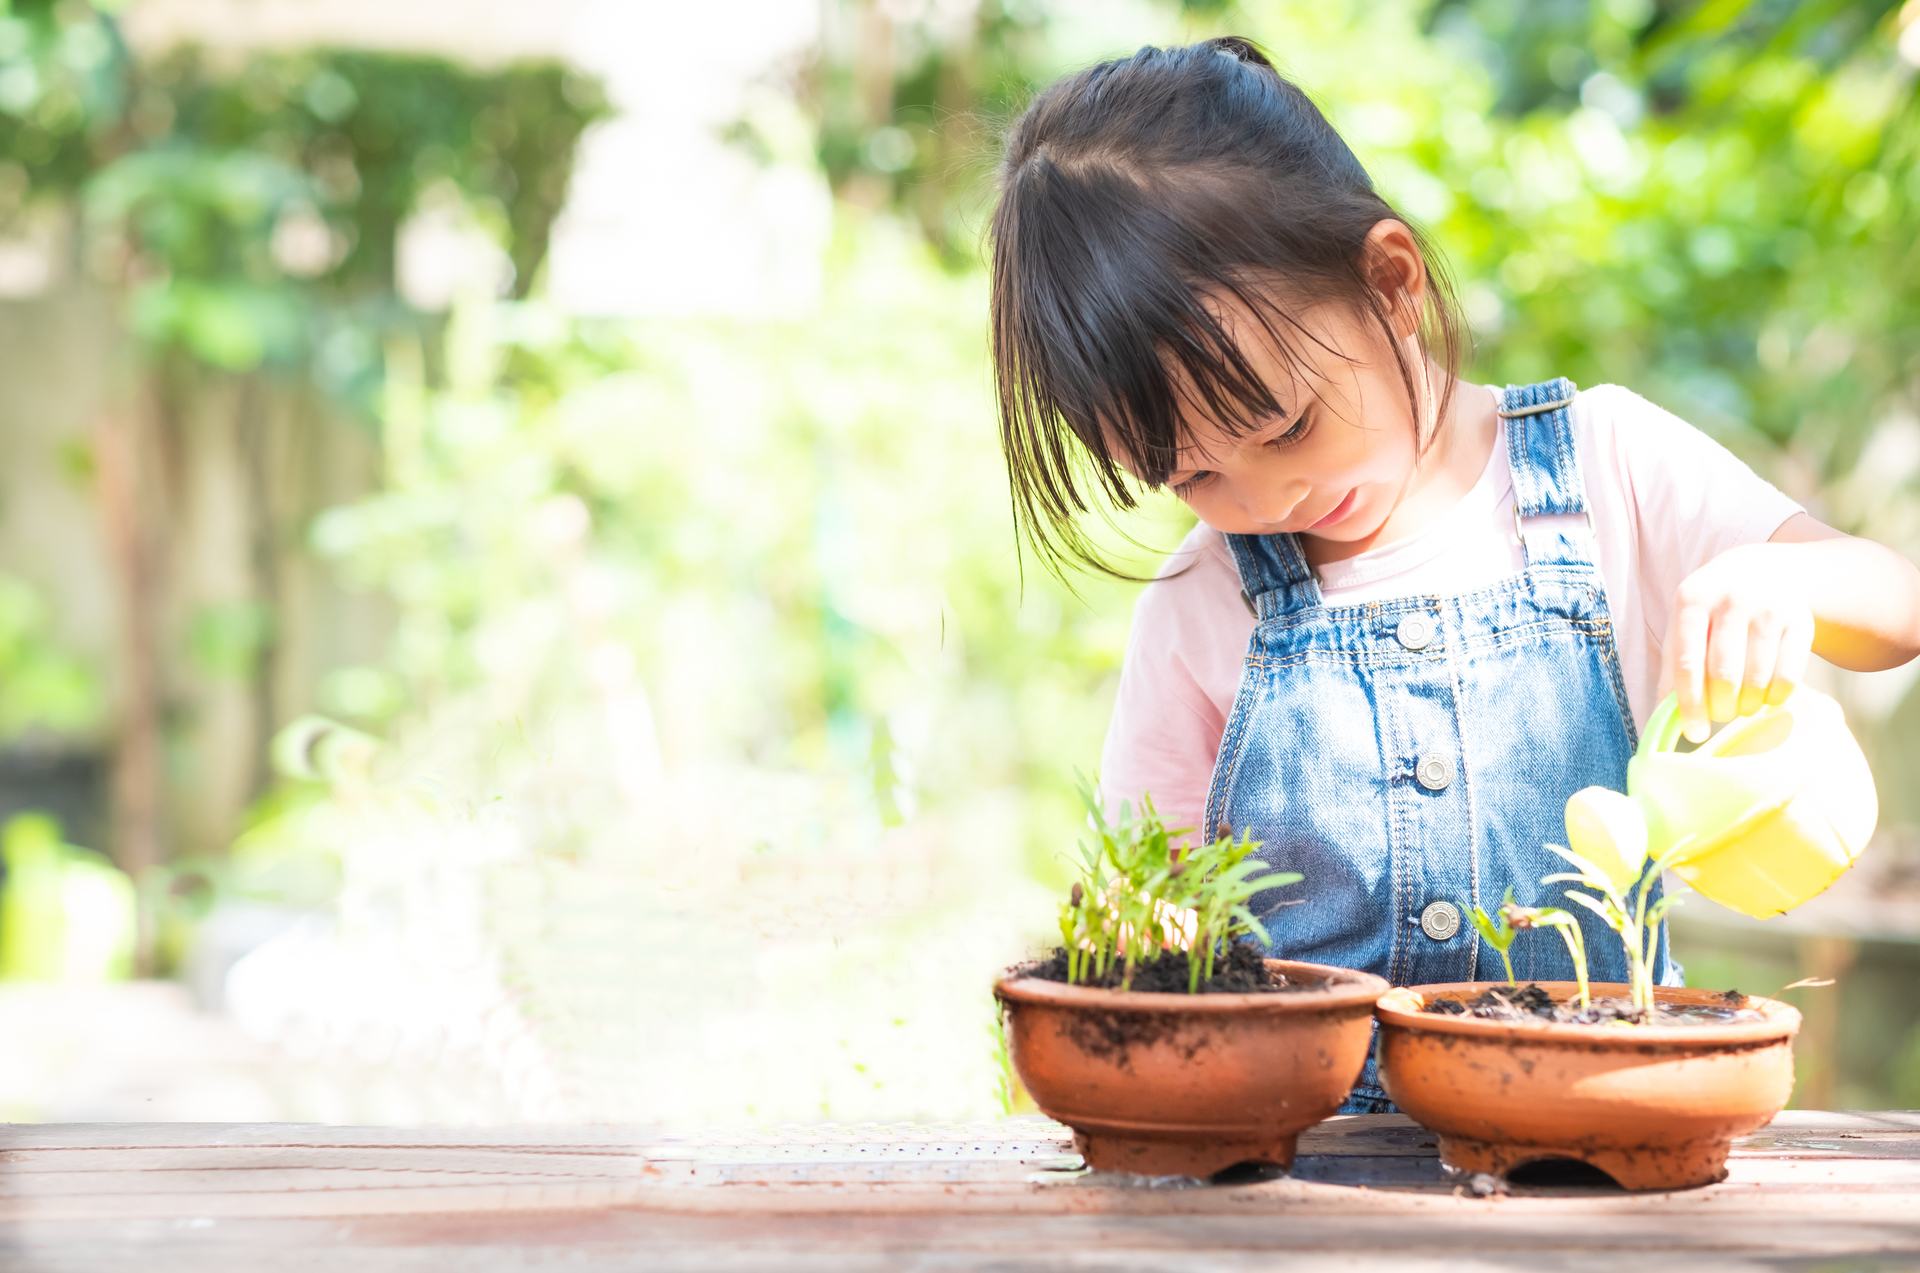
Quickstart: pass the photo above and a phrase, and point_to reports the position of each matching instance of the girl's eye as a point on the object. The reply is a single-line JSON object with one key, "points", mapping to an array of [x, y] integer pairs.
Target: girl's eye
{"points": [[1295, 433]]}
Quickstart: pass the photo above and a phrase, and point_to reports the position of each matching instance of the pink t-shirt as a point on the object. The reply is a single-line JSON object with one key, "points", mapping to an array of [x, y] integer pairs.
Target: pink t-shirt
{"points": [[1666, 499]]}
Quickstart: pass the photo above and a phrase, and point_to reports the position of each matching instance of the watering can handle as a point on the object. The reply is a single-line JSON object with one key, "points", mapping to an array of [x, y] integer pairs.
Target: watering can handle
{"points": [[1663, 727]]}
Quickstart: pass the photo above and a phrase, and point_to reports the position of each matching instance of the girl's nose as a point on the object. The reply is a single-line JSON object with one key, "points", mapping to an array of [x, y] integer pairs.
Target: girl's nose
{"points": [[1271, 505]]}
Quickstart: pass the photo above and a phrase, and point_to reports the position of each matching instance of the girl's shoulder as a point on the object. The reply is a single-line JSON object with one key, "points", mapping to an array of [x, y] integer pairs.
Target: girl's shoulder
{"points": [[1637, 439], [1669, 483], [1196, 589], [1202, 551], [1616, 414]]}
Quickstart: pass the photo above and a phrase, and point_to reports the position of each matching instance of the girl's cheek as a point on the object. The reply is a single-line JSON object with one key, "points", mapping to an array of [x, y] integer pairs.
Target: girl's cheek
{"points": [[1208, 507], [1384, 453]]}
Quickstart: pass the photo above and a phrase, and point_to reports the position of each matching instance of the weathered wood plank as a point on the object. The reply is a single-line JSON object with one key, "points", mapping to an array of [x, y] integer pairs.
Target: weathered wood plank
{"points": [[1485, 1235], [1866, 1165], [197, 1135]]}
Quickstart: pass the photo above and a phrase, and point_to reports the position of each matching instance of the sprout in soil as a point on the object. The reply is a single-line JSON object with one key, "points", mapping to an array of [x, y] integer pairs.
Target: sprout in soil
{"points": [[1499, 935], [1613, 862], [1140, 895], [1516, 919], [1567, 924]]}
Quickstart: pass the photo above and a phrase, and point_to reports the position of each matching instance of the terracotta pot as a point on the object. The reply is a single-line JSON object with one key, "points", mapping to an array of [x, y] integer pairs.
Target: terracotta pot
{"points": [[1655, 1107], [1174, 1084]]}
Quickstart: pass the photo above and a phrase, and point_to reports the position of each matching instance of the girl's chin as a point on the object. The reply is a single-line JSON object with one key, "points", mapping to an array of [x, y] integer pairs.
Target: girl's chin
{"points": [[1355, 532], [1346, 532]]}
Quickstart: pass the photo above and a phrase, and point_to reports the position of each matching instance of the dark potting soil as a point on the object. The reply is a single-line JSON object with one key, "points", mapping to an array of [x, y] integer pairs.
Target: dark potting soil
{"points": [[1242, 971], [1112, 1031], [1533, 1003]]}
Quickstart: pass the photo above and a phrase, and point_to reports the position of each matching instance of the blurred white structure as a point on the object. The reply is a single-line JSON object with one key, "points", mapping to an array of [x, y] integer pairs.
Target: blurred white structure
{"points": [[487, 32], [665, 217], [445, 255]]}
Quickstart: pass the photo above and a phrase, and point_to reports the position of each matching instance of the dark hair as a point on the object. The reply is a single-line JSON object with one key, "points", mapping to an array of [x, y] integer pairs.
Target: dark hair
{"points": [[1134, 196]]}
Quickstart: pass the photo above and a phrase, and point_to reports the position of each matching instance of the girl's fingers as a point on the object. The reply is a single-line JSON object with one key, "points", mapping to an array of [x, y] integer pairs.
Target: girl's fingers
{"points": [[1790, 668], [1687, 652], [1763, 661], [1726, 665]]}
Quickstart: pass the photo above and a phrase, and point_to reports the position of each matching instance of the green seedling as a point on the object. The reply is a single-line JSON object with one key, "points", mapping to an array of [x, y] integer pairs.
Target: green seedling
{"points": [[1624, 904], [1567, 924], [1522, 918], [1499, 932], [1140, 895]]}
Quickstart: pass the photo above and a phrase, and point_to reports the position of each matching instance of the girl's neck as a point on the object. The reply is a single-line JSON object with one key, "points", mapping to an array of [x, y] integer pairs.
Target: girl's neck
{"points": [[1462, 444]]}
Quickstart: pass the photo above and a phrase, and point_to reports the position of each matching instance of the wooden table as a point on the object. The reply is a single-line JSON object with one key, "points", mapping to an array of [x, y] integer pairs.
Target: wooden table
{"points": [[1814, 1191]]}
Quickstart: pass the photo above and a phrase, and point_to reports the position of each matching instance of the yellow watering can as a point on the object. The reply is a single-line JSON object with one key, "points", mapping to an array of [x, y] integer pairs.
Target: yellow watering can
{"points": [[1766, 813]]}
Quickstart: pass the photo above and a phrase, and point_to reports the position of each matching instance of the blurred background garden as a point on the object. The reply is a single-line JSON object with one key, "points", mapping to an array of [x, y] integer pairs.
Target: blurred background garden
{"points": [[508, 603]]}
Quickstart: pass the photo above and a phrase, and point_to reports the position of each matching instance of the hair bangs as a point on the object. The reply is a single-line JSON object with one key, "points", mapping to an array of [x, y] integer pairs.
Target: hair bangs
{"points": [[1112, 332]]}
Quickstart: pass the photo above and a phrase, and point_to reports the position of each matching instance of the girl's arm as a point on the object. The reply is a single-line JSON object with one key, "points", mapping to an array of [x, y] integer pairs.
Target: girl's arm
{"points": [[1744, 623]]}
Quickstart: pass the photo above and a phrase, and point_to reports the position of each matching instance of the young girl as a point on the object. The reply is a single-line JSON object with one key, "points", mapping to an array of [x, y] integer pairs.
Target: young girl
{"points": [[1417, 613]]}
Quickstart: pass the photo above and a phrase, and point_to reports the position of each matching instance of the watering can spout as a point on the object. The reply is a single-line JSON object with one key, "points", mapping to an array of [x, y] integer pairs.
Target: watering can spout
{"points": [[1763, 816]]}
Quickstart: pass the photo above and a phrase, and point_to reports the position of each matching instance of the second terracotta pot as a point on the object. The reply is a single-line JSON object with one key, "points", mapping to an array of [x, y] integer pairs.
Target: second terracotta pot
{"points": [[1655, 1107], [1175, 1084]]}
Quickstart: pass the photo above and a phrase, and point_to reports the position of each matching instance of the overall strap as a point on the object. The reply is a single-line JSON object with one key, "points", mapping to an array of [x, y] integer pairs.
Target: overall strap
{"points": [[1274, 575], [1546, 470]]}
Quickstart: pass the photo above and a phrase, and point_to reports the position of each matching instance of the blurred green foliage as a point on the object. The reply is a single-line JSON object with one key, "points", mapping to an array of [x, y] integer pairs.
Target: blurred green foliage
{"points": [[246, 214], [251, 212], [43, 688], [66, 913], [62, 94], [817, 577], [1713, 204], [225, 640], [372, 132], [207, 223]]}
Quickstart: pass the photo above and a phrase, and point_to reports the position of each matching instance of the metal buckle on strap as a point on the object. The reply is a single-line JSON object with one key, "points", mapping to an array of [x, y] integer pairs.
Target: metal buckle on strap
{"points": [[1521, 535], [1555, 405]]}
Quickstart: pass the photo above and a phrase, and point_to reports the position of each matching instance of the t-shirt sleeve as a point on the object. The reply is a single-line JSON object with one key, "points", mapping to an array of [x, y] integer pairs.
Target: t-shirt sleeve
{"points": [[1691, 498], [1167, 720]]}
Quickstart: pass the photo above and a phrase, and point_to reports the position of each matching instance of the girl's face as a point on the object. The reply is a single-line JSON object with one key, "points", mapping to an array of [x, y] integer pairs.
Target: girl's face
{"points": [[1338, 459]]}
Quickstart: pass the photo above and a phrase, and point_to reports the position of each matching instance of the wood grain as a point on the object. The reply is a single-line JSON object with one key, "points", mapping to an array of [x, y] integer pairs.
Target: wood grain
{"points": [[273, 1196]]}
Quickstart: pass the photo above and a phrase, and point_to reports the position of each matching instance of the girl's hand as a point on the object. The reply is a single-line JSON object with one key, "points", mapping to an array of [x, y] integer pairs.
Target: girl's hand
{"points": [[1741, 632], [1744, 623]]}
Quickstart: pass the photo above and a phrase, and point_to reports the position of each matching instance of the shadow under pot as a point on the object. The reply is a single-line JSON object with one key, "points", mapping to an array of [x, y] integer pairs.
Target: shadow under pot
{"points": [[1190, 1084], [1653, 1106]]}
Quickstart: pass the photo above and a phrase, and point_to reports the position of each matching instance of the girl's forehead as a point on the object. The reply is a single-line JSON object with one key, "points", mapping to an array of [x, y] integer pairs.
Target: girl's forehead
{"points": [[1202, 438], [1282, 352], [1256, 361], [1207, 440]]}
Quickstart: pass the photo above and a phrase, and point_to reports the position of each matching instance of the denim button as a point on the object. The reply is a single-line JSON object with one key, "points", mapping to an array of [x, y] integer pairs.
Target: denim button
{"points": [[1415, 632], [1440, 921], [1434, 771]]}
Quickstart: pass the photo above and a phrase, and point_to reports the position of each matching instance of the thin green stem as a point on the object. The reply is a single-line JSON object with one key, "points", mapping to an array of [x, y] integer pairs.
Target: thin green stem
{"points": [[1577, 948]]}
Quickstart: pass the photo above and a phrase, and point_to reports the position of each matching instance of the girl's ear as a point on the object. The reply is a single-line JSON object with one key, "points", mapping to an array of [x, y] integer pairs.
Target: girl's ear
{"points": [[1396, 268]]}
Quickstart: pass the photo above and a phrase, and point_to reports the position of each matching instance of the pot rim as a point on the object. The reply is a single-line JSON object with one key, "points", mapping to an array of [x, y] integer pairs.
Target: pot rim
{"points": [[1780, 1020], [1341, 988]]}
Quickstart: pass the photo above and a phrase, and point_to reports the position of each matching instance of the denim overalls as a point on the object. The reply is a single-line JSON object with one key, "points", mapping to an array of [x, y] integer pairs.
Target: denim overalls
{"points": [[1410, 757]]}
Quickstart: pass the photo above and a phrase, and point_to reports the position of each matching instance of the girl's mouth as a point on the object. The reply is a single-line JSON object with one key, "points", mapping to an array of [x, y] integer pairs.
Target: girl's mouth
{"points": [[1339, 512]]}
